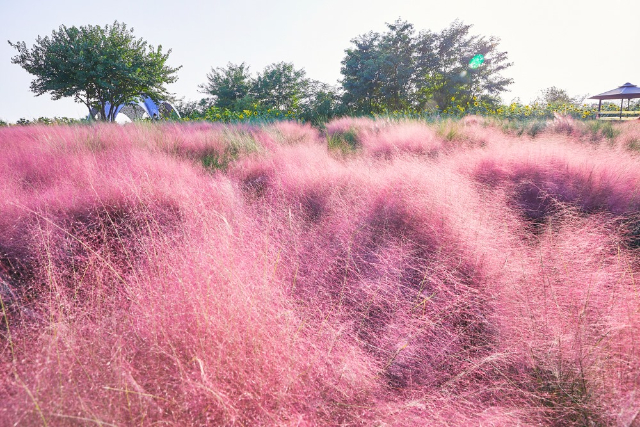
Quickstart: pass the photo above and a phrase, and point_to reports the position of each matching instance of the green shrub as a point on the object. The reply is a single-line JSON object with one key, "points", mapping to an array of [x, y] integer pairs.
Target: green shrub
{"points": [[346, 142], [237, 143], [519, 127], [633, 144], [602, 129], [449, 130], [567, 396], [50, 121]]}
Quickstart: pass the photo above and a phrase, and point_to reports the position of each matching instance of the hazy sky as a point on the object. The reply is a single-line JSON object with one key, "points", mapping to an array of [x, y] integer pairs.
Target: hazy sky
{"points": [[584, 47]]}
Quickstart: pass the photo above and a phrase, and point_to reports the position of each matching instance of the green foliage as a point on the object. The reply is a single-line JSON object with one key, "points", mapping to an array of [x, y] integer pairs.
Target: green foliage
{"points": [[360, 71], [279, 92], [557, 96], [531, 127], [231, 87], [599, 129], [224, 115], [239, 142], [458, 68], [449, 130], [98, 67], [3, 123], [395, 65], [320, 103], [399, 69], [634, 145], [519, 111], [51, 121], [567, 396], [344, 142], [280, 86], [193, 110]]}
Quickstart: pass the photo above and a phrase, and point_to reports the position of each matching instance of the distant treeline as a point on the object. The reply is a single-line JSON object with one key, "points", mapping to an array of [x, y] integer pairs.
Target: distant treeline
{"points": [[203, 111], [398, 73]]}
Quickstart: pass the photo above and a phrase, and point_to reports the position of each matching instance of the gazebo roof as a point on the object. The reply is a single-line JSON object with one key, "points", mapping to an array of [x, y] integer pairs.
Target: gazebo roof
{"points": [[626, 91]]}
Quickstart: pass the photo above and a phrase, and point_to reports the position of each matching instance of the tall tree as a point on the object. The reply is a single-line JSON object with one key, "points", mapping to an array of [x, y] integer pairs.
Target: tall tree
{"points": [[280, 86], [320, 102], [467, 66], [231, 87], [101, 68], [553, 95], [396, 62], [361, 74], [399, 69]]}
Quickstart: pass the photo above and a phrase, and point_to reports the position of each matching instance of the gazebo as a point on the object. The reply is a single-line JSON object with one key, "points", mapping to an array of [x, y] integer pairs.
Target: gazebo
{"points": [[626, 91]]}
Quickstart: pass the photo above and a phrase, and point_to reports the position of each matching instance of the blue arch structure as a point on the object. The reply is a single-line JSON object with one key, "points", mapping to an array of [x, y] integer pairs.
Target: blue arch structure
{"points": [[145, 105]]}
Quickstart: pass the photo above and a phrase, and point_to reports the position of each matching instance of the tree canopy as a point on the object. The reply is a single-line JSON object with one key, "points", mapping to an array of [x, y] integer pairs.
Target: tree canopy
{"points": [[100, 67], [556, 96], [280, 87], [401, 69], [231, 87]]}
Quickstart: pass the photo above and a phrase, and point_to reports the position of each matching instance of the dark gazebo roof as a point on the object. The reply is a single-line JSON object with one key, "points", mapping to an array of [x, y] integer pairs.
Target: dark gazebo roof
{"points": [[626, 91]]}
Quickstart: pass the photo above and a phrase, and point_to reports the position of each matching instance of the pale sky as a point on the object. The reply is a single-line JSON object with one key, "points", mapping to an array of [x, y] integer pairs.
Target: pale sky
{"points": [[584, 47]]}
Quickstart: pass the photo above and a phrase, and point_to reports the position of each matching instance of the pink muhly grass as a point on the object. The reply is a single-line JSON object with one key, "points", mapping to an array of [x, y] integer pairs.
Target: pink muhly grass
{"points": [[538, 174], [357, 124], [241, 275], [630, 136], [410, 137], [288, 132], [568, 310]]}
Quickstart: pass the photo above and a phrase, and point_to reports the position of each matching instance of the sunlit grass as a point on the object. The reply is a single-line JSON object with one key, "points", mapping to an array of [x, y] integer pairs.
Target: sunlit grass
{"points": [[380, 272]]}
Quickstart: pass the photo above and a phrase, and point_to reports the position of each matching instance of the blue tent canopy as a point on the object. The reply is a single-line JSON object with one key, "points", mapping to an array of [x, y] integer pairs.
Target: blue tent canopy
{"points": [[144, 105]]}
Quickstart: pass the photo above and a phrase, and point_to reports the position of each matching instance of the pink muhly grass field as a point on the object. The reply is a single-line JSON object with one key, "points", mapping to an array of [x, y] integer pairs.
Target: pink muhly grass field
{"points": [[374, 273]]}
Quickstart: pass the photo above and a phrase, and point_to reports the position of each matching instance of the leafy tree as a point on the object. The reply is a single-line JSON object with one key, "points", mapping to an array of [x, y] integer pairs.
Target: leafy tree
{"points": [[401, 70], [101, 68], [396, 62], [193, 109], [320, 102], [361, 74], [231, 87], [279, 91], [557, 96], [280, 86], [467, 67]]}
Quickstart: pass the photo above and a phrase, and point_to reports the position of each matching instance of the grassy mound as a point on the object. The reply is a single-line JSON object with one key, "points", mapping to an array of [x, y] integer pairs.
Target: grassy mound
{"points": [[378, 273]]}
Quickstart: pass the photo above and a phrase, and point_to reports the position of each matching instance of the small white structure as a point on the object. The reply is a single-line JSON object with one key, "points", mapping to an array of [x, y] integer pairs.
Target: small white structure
{"points": [[141, 109]]}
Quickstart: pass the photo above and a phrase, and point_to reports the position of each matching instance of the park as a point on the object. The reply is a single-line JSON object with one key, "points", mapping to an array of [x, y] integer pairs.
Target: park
{"points": [[405, 249]]}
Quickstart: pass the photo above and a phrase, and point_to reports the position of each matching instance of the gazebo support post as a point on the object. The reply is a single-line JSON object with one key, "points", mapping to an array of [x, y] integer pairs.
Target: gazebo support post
{"points": [[621, 104], [599, 108]]}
